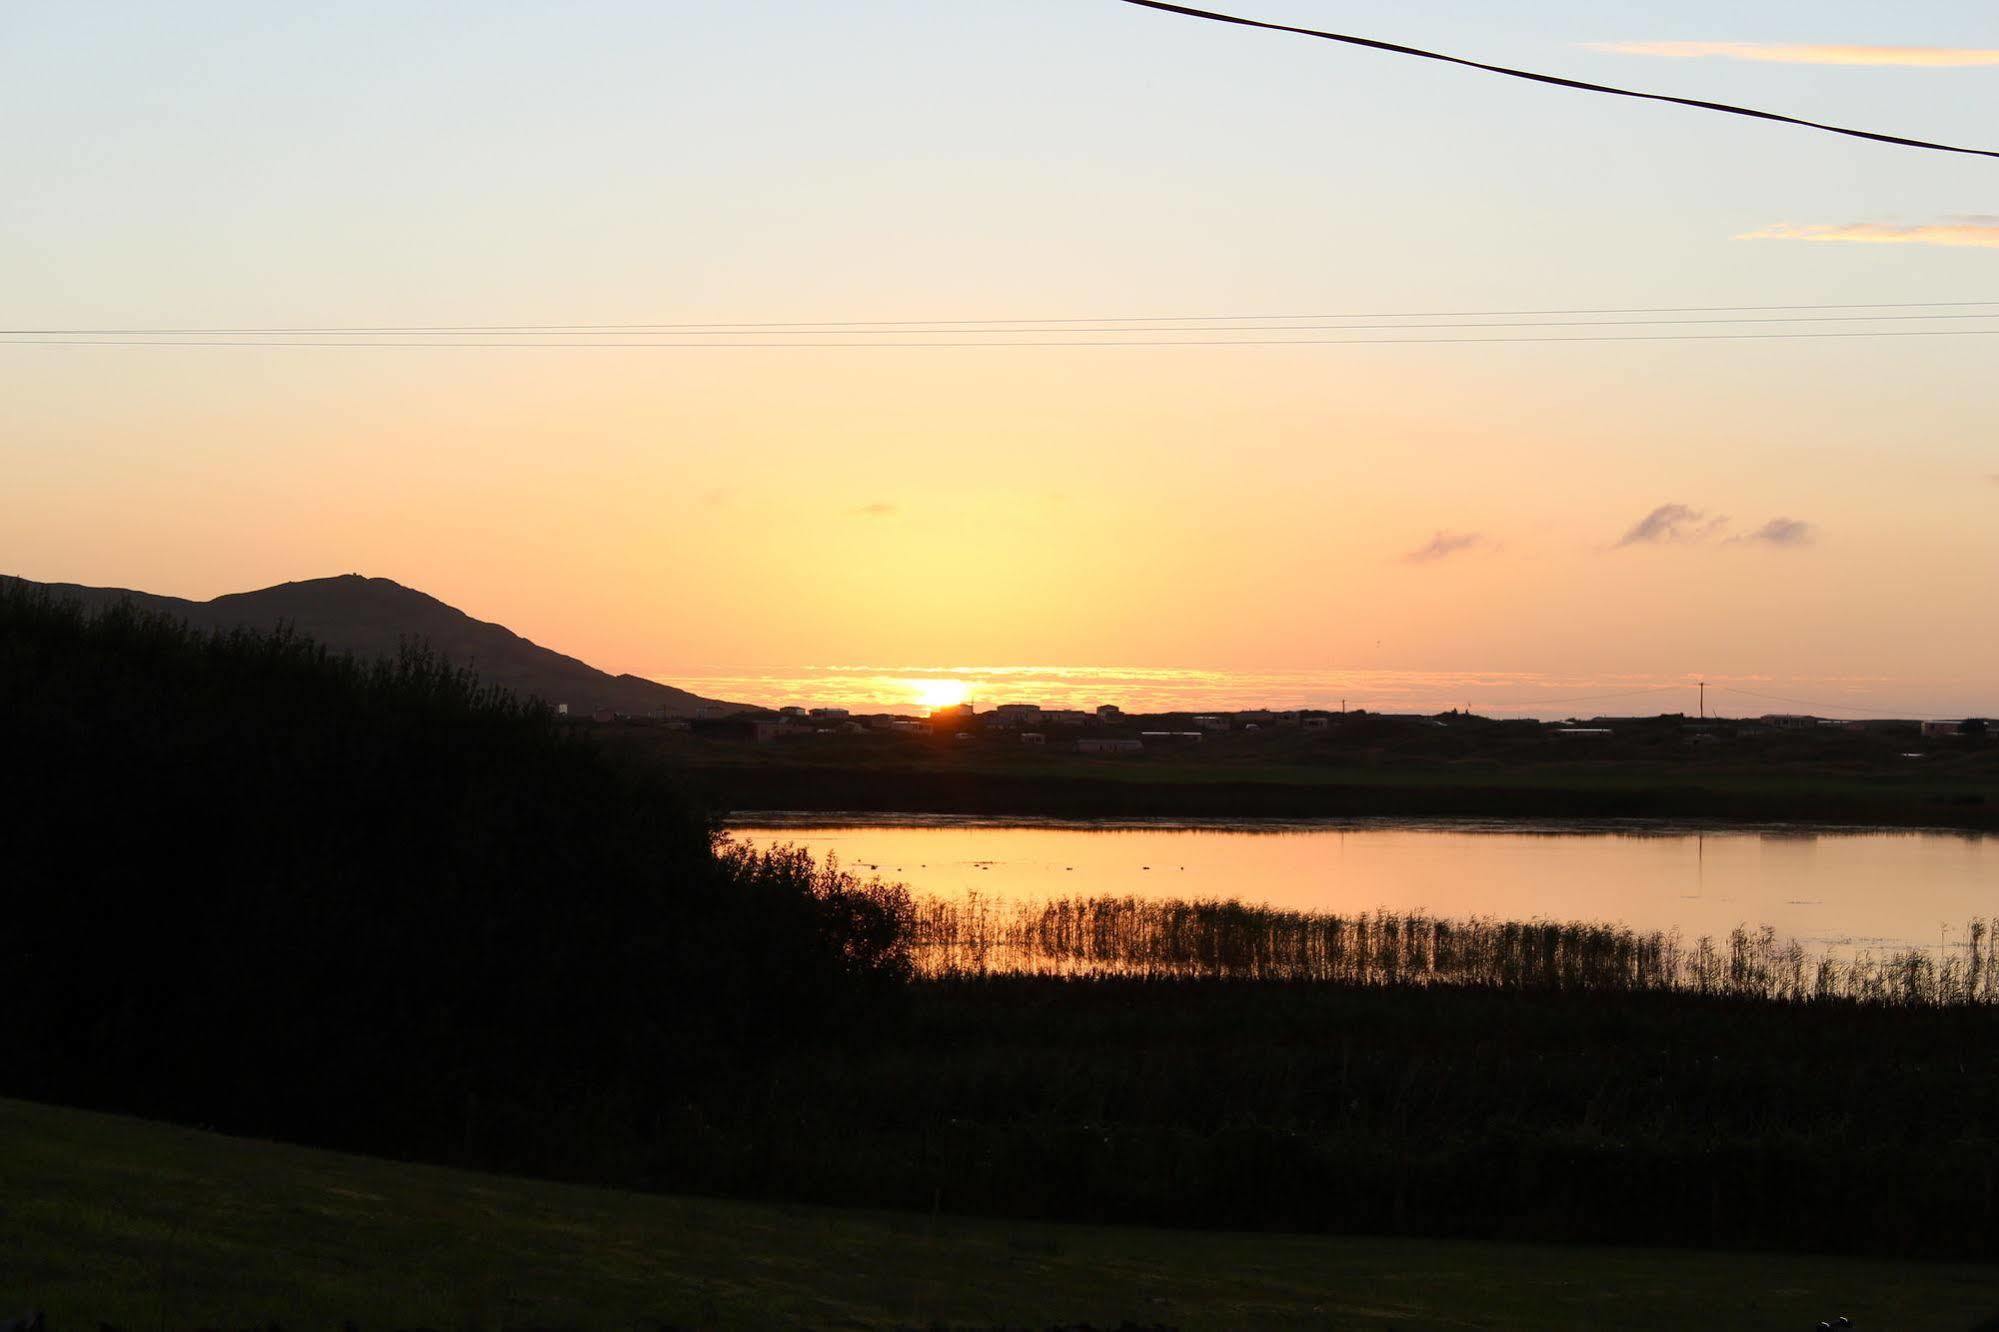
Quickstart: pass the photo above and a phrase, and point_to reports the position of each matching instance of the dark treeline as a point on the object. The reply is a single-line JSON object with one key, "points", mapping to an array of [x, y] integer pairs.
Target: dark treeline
{"points": [[1126, 936], [377, 906], [380, 907]]}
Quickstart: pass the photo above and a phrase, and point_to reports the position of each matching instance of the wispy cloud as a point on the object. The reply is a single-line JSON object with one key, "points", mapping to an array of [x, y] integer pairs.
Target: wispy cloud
{"points": [[1446, 544], [1977, 230], [875, 510], [1801, 53], [1683, 525], [1782, 532], [1672, 524]]}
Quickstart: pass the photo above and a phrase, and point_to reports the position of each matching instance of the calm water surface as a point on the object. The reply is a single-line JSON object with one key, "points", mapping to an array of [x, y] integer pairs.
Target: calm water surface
{"points": [[1835, 887]]}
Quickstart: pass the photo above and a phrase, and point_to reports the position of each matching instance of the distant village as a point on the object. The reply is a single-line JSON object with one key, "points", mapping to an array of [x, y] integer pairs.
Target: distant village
{"points": [[1109, 729]]}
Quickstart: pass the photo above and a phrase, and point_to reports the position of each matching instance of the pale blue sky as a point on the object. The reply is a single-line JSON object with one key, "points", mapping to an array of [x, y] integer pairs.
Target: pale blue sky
{"points": [[396, 162]]}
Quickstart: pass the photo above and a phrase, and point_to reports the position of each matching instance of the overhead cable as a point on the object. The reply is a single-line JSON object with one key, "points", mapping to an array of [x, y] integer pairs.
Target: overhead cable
{"points": [[1397, 48]]}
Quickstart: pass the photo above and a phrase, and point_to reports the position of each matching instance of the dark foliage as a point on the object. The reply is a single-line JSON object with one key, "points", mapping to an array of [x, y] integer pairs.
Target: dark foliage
{"points": [[255, 885], [1647, 1118]]}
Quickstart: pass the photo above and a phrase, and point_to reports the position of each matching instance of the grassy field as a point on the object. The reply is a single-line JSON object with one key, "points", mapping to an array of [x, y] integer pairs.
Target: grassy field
{"points": [[141, 1225]]}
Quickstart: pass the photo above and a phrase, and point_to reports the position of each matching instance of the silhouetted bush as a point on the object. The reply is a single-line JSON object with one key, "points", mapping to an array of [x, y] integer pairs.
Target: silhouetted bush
{"points": [[256, 885]]}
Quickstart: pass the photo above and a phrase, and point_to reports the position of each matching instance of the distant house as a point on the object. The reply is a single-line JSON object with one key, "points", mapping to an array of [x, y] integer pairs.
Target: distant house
{"points": [[1977, 726], [1065, 717], [1789, 721], [1109, 712], [1172, 737], [562, 709], [1033, 738], [1585, 732], [1318, 723], [1211, 723], [1106, 744], [793, 711], [1015, 714], [828, 714], [603, 715]]}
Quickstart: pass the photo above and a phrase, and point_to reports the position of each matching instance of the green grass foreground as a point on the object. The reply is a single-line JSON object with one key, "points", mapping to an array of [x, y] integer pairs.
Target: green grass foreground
{"points": [[142, 1225]]}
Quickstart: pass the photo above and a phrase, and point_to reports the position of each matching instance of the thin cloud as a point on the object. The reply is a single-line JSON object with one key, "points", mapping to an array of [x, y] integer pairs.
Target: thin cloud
{"points": [[1798, 53], [1672, 524], [876, 510], [1978, 231], [1446, 544], [1782, 532]]}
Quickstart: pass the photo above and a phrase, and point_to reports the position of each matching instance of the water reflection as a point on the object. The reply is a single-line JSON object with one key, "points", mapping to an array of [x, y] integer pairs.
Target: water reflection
{"points": [[1840, 888]]}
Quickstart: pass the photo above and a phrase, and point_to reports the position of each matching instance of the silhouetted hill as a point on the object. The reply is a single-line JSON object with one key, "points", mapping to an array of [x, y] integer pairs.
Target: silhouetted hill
{"points": [[370, 617]]}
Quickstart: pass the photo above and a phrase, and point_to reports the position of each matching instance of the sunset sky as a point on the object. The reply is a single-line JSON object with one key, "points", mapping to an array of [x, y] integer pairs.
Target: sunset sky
{"points": [[1822, 515]]}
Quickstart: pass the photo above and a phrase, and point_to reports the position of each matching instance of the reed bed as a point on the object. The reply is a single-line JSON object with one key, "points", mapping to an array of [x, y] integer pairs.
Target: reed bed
{"points": [[1089, 937]]}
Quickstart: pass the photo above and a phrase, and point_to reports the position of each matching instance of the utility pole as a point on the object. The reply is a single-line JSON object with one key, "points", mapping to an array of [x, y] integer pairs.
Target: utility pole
{"points": [[1703, 700]]}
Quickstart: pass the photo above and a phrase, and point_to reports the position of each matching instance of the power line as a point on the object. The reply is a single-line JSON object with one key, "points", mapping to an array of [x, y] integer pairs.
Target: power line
{"points": [[865, 325], [1034, 342], [1587, 698], [1820, 703], [1048, 327], [1396, 48]]}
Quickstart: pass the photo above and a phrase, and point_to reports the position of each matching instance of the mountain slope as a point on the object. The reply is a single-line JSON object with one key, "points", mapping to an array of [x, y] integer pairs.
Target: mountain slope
{"points": [[372, 617]]}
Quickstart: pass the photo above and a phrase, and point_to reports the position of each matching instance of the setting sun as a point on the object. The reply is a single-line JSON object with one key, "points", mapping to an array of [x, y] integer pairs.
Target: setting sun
{"points": [[933, 694]]}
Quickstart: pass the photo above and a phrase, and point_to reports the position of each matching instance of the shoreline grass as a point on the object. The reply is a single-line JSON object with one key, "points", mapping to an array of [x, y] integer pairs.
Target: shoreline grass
{"points": [[1088, 937]]}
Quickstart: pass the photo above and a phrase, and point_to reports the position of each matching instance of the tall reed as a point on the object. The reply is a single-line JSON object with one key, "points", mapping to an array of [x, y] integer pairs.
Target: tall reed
{"points": [[1085, 937]]}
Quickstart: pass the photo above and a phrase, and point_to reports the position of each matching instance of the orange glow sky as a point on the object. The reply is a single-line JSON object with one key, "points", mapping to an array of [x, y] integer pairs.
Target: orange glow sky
{"points": [[717, 514]]}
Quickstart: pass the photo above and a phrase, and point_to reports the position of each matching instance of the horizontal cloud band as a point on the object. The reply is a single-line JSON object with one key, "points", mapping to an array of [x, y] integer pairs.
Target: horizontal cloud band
{"points": [[1784, 53], [1976, 232]]}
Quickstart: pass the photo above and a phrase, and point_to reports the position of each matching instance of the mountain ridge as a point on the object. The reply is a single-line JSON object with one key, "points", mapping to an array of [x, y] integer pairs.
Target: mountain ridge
{"points": [[372, 617]]}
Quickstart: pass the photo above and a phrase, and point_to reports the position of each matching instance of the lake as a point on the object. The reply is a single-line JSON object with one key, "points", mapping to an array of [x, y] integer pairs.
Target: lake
{"points": [[1840, 889]]}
